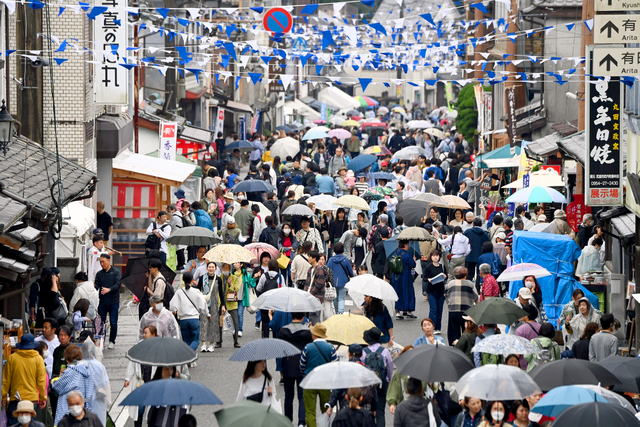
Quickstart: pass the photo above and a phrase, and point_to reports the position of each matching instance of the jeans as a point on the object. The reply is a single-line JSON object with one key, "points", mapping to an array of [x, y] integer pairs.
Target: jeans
{"points": [[392, 219], [436, 302], [310, 399], [240, 316], [338, 303], [190, 329], [112, 311], [456, 326], [163, 257], [264, 314], [290, 389], [219, 223]]}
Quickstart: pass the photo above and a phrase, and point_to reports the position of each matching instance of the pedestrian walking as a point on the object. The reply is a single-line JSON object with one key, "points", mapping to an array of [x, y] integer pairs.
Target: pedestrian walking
{"points": [[604, 343], [50, 338], [87, 290], [232, 287], [495, 415], [137, 375], [189, 303], [268, 281], [316, 285], [402, 282], [416, 410], [353, 415], [377, 312], [477, 236], [108, 282], [75, 376], [92, 356], [378, 359], [79, 413], [157, 234], [25, 414], [257, 384], [460, 294], [581, 347], [434, 277], [342, 273], [428, 337], [472, 413]]}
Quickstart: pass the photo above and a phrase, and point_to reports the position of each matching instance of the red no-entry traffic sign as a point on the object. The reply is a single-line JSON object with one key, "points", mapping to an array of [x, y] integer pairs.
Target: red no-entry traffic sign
{"points": [[277, 20]]}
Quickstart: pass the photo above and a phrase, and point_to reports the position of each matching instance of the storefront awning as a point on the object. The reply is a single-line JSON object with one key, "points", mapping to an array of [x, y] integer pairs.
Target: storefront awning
{"points": [[299, 108], [238, 107], [543, 147], [499, 158], [573, 146], [180, 159], [150, 169], [196, 134], [333, 95]]}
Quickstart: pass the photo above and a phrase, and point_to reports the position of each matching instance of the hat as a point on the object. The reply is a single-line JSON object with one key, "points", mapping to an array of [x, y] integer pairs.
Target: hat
{"points": [[372, 336], [24, 406], [155, 298], [542, 218], [46, 272], [98, 231], [227, 206], [384, 217], [500, 235], [469, 318], [27, 342], [297, 180], [355, 349], [525, 293], [179, 194], [384, 232], [384, 164], [287, 175], [559, 213], [342, 168], [319, 330], [228, 196], [231, 220], [361, 175]]}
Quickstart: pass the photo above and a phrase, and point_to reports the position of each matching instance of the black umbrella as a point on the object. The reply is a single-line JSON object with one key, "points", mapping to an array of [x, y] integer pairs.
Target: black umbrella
{"points": [[434, 363], [243, 146], [493, 311], [596, 414], [252, 185], [412, 212], [193, 236], [135, 274], [570, 372], [162, 352], [627, 369]]}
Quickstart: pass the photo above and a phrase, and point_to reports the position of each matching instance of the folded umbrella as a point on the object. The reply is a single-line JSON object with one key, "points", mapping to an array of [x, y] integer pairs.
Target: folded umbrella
{"points": [[596, 414], [504, 345], [288, 300], [412, 212], [434, 363], [252, 186], [493, 311], [247, 413], [243, 146], [370, 285], [361, 162], [520, 271], [258, 248], [496, 382], [193, 236], [264, 349], [559, 399], [339, 375], [135, 274], [627, 370], [228, 254], [571, 371], [159, 351], [347, 328], [171, 392]]}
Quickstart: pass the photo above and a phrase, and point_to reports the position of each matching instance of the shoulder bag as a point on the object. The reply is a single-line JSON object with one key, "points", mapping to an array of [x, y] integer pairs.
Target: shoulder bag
{"points": [[257, 397]]}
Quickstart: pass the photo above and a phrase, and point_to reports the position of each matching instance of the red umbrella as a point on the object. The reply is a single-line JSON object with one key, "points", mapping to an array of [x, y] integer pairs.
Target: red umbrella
{"points": [[258, 248], [356, 118]]}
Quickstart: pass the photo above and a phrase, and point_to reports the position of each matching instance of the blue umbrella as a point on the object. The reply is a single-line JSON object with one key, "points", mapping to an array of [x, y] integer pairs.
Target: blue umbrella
{"points": [[285, 128], [362, 161], [379, 175], [315, 134], [561, 398], [171, 392], [391, 245], [240, 145], [264, 349], [252, 185]]}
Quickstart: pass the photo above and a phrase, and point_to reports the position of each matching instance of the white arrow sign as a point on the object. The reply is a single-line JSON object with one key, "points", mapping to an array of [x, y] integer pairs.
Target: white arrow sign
{"points": [[617, 61], [616, 5], [616, 29]]}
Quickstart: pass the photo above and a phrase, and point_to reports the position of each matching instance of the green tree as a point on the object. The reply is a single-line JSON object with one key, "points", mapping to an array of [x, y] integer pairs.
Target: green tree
{"points": [[467, 120]]}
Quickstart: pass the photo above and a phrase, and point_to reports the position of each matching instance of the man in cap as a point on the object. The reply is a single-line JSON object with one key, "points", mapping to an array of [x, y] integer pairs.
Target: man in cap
{"points": [[160, 317], [24, 377], [541, 223], [25, 414], [559, 225], [378, 359], [315, 354]]}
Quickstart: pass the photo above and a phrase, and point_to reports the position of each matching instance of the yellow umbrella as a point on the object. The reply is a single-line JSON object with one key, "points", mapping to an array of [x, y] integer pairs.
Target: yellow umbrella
{"points": [[351, 201], [398, 110], [347, 328], [350, 123], [228, 254], [456, 202]]}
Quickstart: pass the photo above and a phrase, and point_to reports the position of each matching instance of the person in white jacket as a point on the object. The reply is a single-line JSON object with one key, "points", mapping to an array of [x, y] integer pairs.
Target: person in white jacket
{"points": [[459, 248], [189, 304], [85, 289], [158, 316]]}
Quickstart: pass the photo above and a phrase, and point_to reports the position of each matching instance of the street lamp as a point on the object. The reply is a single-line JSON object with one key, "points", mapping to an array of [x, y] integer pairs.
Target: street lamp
{"points": [[6, 128]]}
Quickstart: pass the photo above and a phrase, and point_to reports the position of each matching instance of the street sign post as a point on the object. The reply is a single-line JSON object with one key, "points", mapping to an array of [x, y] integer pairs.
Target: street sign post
{"points": [[616, 61], [616, 5], [616, 29]]}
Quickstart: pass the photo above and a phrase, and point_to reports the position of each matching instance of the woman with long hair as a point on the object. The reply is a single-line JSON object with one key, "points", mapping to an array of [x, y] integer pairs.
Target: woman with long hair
{"points": [[338, 227], [377, 312], [468, 338], [354, 416], [300, 265], [277, 165], [580, 348], [257, 384], [220, 209], [212, 290], [189, 303]]}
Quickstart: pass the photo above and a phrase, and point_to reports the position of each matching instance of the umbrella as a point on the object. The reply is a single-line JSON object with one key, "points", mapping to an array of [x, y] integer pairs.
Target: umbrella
{"points": [[264, 349], [391, 245], [319, 122], [370, 114], [456, 202], [414, 234], [339, 375], [596, 414], [383, 110], [247, 413], [258, 248], [496, 382], [611, 397], [537, 195], [135, 274], [253, 186], [412, 211], [228, 254], [504, 345], [161, 352], [285, 147], [378, 193], [347, 328], [353, 112], [362, 161], [350, 201], [379, 175], [370, 285], [284, 128], [452, 114], [420, 124], [431, 199], [434, 363], [435, 132], [544, 178], [324, 202], [340, 133], [571, 371], [399, 110], [365, 101], [171, 392], [243, 146], [520, 271], [288, 300], [193, 236], [298, 209], [627, 370], [350, 123], [316, 133], [561, 398], [494, 311], [377, 150], [410, 153], [336, 120]]}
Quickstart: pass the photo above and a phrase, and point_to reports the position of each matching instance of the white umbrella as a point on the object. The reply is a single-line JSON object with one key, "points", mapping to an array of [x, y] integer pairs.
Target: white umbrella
{"points": [[370, 285], [339, 375], [336, 120], [497, 382], [409, 153], [520, 271], [383, 110], [420, 124], [452, 114], [288, 300], [435, 132], [285, 147], [298, 209], [324, 202], [541, 178]]}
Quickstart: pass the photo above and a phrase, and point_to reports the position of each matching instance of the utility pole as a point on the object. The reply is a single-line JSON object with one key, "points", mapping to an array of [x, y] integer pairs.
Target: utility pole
{"points": [[479, 33], [29, 96]]}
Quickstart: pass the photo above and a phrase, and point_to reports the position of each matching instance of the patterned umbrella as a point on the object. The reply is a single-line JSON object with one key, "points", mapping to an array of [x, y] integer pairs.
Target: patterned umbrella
{"points": [[377, 150], [264, 349], [324, 202], [228, 254], [368, 284], [340, 133], [351, 201], [258, 248], [347, 328], [627, 370], [504, 345], [365, 101], [378, 193]]}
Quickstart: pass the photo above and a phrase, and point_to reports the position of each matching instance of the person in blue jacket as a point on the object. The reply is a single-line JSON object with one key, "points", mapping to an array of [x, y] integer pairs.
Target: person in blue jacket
{"points": [[477, 236], [202, 218], [342, 273], [403, 283]]}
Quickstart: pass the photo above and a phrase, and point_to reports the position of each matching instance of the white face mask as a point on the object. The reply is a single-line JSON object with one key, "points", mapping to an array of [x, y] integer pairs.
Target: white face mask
{"points": [[225, 273], [529, 285], [287, 230], [24, 419], [497, 415], [241, 197], [157, 308], [75, 410], [45, 354]]}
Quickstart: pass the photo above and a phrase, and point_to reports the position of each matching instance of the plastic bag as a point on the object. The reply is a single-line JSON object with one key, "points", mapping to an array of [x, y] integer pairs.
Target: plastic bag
{"points": [[3, 418], [325, 420], [227, 324], [252, 309]]}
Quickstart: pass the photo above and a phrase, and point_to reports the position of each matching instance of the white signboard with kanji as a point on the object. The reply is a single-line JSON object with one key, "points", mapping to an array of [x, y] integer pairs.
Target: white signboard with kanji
{"points": [[616, 61], [616, 29], [110, 37], [168, 138]]}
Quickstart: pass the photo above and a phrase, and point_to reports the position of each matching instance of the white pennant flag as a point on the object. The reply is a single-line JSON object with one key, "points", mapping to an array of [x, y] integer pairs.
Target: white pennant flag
{"points": [[286, 79], [352, 35], [337, 7], [11, 5]]}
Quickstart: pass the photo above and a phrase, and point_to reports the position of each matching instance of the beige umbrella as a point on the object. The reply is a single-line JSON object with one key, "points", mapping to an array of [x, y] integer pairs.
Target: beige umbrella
{"points": [[431, 199], [228, 254], [541, 178], [456, 202], [435, 132], [351, 201], [414, 233]]}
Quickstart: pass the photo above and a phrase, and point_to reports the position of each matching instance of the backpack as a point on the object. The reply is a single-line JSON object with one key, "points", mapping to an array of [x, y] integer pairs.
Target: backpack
{"points": [[168, 295], [272, 236], [153, 241], [490, 359], [375, 362], [269, 284], [496, 265], [185, 222], [545, 355], [395, 263]]}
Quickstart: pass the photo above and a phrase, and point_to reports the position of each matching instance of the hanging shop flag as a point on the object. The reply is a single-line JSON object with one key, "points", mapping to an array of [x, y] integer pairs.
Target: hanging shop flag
{"points": [[477, 91], [448, 89], [511, 117], [220, 122], [603, 160], [242, 127], [110, 38], [168, 140], [255, 122]]}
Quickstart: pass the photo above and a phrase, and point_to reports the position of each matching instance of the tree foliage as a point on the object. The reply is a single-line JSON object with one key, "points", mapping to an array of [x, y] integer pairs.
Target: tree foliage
{"points": [[467, 120]]}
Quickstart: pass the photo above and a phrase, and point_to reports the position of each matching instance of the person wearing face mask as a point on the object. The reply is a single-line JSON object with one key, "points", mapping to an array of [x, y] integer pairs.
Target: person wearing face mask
{"points": [[50, 338], [160, 317], [189, 304], [78, 415], [75, 377], [25, 414], [231, 285], [288, 243], [495, 414], [211, 287]]}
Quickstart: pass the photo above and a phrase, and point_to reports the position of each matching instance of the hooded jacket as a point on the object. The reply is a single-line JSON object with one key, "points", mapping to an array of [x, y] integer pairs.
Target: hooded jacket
{"points": [[203, 219], [25, 373], [299, 335], [477, 236], [342, 271], [76, 377], [414, 412], [579, 322]]}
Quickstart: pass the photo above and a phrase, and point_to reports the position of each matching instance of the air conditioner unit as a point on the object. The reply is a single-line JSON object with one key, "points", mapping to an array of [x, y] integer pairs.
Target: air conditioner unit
{"points": [[113, 110]]}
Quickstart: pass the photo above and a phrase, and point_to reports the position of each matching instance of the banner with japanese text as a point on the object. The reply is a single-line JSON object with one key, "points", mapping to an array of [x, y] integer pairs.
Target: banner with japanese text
{"points": [[168, 140], [110, 39], [511, 117]]}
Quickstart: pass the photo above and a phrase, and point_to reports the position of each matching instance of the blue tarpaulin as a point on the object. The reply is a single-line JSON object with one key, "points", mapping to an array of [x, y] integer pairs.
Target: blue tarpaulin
{"points": [[557, 254]]}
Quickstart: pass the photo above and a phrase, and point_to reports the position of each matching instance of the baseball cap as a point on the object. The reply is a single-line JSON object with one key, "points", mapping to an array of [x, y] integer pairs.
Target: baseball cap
{"points": [[525, 293], [231, 220], [98, 231], [542, 218], [355, 349], [501, 235], [384, 164]]}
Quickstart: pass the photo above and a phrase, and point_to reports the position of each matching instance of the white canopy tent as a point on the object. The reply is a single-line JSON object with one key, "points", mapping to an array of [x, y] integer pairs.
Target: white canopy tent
{"points": [[334, 96]]}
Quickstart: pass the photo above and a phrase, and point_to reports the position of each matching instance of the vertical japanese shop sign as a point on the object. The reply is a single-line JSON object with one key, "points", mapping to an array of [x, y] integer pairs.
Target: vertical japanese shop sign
{"points": [[255, 121], [511, 118], [477, 91], [603, 160], [168, 139], [220, 122], [110, 36], [242, 128]]}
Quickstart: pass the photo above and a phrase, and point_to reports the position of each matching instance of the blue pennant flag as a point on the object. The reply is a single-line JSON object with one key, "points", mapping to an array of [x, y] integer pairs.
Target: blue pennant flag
{"points": [[364, 83], [305, 58], [61, 10], [183, 22], [230, 29], [327, 39], [63, 46], [266, 59], [523, 76], [570, 26], [225, 61], [431, 82], [59, 61], [196, 72], [427, 17], [386, 84], [491, 74], [186, 56], [318, 69], [309, 9], [479, 6], [627, 80], [231, 49], [96, 10], [378, 27], [412, 84], [257, 9], [561, 82], [355, 67], [435, 70], [369, 3], [255, 77], [118, 22], [163, 11], [36, 4], [127, 65], [9, 51], [405, 68], [238, 81]]}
